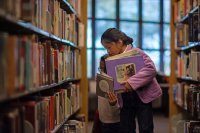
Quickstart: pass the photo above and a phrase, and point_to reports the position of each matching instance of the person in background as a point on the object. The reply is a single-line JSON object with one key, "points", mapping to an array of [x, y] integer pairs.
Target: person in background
{"points": [[140, 89], [108, 109], [96, 123]]}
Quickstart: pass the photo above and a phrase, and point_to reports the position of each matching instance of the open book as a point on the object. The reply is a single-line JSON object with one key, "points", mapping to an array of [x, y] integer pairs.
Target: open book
{"points": [[121, 67], [104, 83]]}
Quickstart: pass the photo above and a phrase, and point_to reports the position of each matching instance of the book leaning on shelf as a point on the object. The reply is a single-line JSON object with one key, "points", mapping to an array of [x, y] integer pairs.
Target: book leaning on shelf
{"points": [[122, 66]]}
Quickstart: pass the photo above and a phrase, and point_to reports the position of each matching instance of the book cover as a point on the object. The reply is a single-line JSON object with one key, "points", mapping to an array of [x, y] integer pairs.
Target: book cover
{"points": [[10, 48], [31, 113], [103, 85], [122, 68]]}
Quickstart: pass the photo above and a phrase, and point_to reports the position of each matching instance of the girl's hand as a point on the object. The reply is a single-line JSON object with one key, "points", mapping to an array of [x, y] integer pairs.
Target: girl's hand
{"points": [[127, 86], [112, 98]]}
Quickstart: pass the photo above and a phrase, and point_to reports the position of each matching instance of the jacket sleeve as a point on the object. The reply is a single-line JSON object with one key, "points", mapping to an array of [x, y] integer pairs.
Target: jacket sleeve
{"points": [[144, 75]]}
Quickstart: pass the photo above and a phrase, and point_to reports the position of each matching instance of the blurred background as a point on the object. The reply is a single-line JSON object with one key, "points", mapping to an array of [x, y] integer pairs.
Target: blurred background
{"points": [[148, 23]]}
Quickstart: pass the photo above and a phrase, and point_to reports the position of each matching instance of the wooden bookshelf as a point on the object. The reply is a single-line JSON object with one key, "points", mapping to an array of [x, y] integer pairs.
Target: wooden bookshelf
{"points": [[66, 5], [187, 79], [72, 84], [20, 27], [84, 79], [37, 90], [189, 47], [186, 83], [60, 125], [185, 18]]}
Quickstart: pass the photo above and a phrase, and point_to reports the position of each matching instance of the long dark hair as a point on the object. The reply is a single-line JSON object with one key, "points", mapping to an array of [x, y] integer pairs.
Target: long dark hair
{"points": [[102, 59], [114, 35]]}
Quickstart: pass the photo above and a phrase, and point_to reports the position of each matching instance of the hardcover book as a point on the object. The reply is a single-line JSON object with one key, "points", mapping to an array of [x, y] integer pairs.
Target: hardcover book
{"points": [[103, 85], [120, 69]]}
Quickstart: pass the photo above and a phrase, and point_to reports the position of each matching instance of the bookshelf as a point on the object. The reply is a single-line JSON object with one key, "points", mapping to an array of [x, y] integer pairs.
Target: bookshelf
{"points": [[185, 59], [43, 73]]}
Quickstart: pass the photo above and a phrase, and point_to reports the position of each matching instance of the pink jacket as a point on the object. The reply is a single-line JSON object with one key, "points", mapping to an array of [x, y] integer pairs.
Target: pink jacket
{"points": [[144, 82]]}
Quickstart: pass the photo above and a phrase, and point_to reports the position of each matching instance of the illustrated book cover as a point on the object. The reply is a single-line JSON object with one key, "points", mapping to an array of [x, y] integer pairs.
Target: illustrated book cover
{"points": [[104, 83], [120, 69]]}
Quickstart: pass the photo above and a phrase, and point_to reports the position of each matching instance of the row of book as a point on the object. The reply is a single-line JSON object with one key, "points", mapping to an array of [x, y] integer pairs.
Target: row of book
{"points": [[180, 91], [44, 14], [182, 35], [186, 33], [40, 113], [74, 126], [193, 99], [188, 126], [76, 4], [182, 7], [27, 63], [188, 65], [187, 96]]}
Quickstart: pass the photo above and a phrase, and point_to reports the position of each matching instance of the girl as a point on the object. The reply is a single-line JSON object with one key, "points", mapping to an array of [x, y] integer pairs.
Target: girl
{"points": [[108, 115], [141, 88]]}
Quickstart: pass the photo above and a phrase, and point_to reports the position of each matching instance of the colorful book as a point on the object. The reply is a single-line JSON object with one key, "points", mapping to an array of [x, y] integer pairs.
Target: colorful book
{"points": [[120, 69], [104, 84]]}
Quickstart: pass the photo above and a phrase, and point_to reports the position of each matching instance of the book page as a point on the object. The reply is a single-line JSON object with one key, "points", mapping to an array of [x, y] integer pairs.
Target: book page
{"points": [[105, 75], [131, 52]]}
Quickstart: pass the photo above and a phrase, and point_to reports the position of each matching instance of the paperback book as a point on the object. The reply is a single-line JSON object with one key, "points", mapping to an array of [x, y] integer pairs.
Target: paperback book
{"points": [[104, 83]]}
